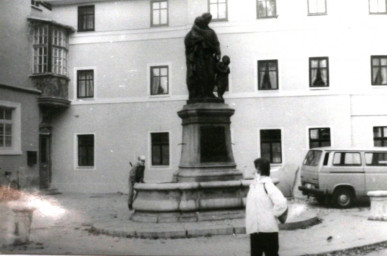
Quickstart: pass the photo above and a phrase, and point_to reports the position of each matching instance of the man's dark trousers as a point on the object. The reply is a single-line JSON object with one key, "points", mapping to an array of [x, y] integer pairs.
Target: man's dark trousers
{"points": [[264, 243]]}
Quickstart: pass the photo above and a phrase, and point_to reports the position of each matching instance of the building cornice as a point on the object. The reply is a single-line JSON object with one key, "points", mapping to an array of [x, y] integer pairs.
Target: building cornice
{"points": [[18, 88]]}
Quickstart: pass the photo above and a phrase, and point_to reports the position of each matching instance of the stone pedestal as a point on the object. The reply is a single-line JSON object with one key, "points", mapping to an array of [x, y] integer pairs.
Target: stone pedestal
{"points": [[206, 153], [378, 209]]}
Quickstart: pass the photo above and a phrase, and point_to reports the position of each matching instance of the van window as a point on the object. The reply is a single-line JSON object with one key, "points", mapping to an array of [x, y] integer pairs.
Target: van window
{"points": [[347, 159], [376, 158], [313, 158], [326, 158]]}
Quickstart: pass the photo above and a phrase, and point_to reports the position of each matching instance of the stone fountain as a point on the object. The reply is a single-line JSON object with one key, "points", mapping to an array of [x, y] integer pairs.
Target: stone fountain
{"points": [[207, 185]]}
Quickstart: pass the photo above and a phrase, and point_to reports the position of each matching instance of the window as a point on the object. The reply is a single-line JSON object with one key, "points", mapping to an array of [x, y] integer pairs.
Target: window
{"points": [[317, 7], [266, 9], [159, 13], [159, 80], [218, 9], [378, 6], [379, 70], [50, 46], [5, 127], [267, 75], [380, 136], [376, 158], [312, 158], [160, 148], [35, 3], [319, 137], [318, 72], [86, 18], [86, 150], [271, 145], [347, 158], [85, 83]]}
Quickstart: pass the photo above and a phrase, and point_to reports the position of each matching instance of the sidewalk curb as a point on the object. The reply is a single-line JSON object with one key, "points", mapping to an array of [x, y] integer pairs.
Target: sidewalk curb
{"points": [[192, 230]]}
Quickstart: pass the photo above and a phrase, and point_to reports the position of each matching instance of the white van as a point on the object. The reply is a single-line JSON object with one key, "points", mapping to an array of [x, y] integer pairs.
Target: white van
{"points": [[342, 175]]}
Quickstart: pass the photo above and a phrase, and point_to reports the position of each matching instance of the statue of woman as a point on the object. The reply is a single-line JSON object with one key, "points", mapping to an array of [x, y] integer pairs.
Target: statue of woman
{"points": [[202, 52]]}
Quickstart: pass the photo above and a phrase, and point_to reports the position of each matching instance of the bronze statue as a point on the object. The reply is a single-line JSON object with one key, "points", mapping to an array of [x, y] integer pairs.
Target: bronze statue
{"points": [[221, 80], [202, 52]]}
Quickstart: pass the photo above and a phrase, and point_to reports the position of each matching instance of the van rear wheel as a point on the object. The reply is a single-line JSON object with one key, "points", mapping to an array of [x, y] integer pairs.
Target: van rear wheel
{"points": [[343, 197]]}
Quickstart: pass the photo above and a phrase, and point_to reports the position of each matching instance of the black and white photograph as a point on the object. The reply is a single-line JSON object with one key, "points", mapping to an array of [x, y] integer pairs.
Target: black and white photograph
{"points": [[193, 127]]}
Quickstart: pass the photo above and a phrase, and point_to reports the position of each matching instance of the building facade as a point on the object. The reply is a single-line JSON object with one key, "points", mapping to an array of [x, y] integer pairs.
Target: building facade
{"points": [[304, 74]]}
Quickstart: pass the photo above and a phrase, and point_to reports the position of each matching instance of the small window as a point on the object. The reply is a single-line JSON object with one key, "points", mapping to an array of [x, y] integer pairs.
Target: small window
{"points": [[347, 159], [6, 128], [319, 137], [159, 10], [266, 9], [376, 159], [218, 9], [86, 18], [159, 80], [317, 7], [326, 158], [268, 75], [160, 148], [378, 6], [86, 150], [85, 83], [271, 145], [379, 70], [318, 72], [380, 136], [313, 158]]}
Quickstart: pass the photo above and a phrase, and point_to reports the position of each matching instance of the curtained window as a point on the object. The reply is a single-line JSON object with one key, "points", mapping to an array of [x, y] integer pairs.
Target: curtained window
{"points": [[318, 72], [86, 18], [266, 9], [218, 9], [268, 75], [379, 70], [6, 124], [380, 136], [159, 13], [85, 83], [159, 80]]}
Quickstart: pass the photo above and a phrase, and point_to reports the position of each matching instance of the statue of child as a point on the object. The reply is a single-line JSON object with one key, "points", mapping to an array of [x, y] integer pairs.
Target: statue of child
{"points": [[222, 71]]}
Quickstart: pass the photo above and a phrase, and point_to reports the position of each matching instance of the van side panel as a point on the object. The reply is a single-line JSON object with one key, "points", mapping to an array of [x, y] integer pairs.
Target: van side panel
{"points": [[376, 178]]}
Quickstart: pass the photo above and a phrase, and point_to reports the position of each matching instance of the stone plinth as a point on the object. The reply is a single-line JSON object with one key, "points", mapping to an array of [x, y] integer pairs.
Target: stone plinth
{"points": [[206, 153], [378, 209], [190, 201]]}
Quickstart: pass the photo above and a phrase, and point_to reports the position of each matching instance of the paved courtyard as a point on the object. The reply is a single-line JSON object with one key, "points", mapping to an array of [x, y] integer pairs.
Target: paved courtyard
{"points": [[64, 224]]}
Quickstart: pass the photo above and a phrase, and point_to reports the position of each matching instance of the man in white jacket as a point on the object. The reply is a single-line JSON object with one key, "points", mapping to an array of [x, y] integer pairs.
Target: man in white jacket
{"points": [[264, 203]]}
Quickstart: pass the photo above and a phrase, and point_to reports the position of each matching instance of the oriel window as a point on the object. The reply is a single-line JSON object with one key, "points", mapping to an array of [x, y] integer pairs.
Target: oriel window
{"points": [[318, 72], [86, 18], [379, 70], [268, 75]]}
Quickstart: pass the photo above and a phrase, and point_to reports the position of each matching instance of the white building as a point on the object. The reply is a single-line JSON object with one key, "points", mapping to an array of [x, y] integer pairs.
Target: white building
{"points": [[303, 73]]}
